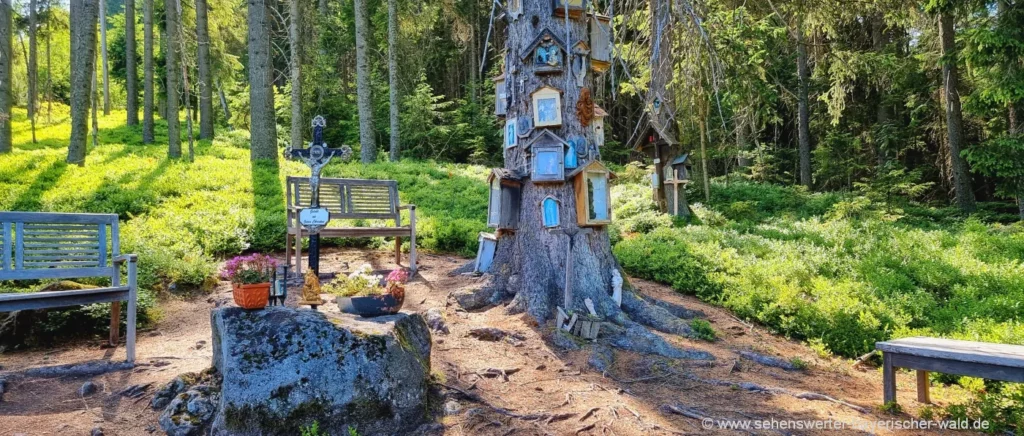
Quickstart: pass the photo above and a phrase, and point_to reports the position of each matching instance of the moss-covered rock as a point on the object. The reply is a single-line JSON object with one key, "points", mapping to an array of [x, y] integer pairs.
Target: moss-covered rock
{"points": [[285, 368]]}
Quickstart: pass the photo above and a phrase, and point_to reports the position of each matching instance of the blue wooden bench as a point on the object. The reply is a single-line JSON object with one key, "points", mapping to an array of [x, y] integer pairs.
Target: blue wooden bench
{"points": [[40, 245]]}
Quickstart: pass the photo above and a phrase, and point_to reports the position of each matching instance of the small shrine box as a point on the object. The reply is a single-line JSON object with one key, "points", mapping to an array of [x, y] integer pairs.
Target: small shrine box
{"points": [[547, 107], [504, 199], [500, 96], [600, 43], [677, 176], [485, 252], [593, 194], [598, 125], [575, 7], [547, 157], [547, 52], [679, 168]]}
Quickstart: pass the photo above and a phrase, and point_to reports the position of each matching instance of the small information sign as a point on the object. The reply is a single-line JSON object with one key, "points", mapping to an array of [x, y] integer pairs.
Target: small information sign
{"points": [[314, 218]]}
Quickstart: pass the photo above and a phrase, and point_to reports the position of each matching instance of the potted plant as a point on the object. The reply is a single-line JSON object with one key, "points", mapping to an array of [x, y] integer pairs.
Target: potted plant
{"points": [[366, 294], [250, 279]]}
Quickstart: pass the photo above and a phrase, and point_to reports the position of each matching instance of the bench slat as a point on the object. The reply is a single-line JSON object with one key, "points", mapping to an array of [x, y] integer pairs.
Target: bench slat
{"points": [[966, 351], [6, 257], [19, 245], [62, 256], [48, 300], [57, 218], [56, 273], [61, 263]]}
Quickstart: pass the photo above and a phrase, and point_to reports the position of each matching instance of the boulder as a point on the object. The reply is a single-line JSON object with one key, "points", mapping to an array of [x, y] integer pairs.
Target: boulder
{"points": [[285, 368]]}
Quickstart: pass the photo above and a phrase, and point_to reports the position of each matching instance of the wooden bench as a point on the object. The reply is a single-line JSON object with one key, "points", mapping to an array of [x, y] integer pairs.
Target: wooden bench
{"points": [[976, 359], [350, 199], [40, 246]]}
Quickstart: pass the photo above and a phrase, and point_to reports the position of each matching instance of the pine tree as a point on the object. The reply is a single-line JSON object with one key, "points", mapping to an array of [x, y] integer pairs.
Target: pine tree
{"points": [[205, 80], [83, 64], [131, 70], [171, 72], [368, 146], [263, 126], [148, 92]]}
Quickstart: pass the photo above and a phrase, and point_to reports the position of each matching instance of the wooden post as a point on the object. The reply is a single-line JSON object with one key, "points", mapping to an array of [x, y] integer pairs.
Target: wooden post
{"points": [[398, 250], [412, 238], [922, 387], [888, 379], [115, 322], [133, 296]]}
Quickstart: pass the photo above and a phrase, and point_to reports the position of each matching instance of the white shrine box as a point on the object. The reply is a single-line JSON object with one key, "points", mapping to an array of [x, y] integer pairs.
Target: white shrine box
{"points": [[488, 245], [593, 194], [500, 96], [601, 43], [504, 199], [598, 125]]}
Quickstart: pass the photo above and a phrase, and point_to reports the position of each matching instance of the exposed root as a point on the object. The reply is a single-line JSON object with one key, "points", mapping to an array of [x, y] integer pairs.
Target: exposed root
{"points": [[769, 360], [754, 387], [653, 316], [638, 339]]}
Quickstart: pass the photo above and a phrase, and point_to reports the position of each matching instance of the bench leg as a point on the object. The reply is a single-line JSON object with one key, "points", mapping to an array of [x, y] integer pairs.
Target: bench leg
{"points": [[922, 387], [398, 250], [133, 296], [412, 239], [115, 323], [888, 379], [287, 249], [298, 254]]}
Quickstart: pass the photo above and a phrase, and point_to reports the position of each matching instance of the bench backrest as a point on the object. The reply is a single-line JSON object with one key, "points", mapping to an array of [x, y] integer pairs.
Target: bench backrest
{"points": [[43, 245], [348, 198]]}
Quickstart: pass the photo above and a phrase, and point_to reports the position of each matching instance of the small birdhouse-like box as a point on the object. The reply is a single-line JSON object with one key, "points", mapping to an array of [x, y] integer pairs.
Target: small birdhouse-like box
{"points": [[515, 9], [593, 194], [547, 154], [598, 125], [600, 43], [500, 96], [574, 7], [488, 245], [680, 168], [547, 107], [677, 175], [504, 198], [547, 52]]}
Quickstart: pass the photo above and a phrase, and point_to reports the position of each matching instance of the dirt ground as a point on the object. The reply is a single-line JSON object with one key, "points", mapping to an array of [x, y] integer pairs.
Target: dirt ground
{"points": [[572, 397]]}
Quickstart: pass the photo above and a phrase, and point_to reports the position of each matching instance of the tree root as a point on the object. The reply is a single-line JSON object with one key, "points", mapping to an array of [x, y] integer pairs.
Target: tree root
{"points": [[769, 360], [754, 387], [653, 315], [638, 339]]}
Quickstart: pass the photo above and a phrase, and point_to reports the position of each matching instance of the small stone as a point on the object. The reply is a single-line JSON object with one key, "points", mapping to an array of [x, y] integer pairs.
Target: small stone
{"points": [[200, 345], [96, 431], [432, 428], [452, 407], [88, 388], [435, 320]]}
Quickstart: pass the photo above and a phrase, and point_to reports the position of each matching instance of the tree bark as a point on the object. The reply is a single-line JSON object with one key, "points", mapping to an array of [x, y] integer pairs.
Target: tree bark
{"points": [[6, 59], [662, 72], [206, 115], [954, 118], [94, 97], [295, 64], [132, 70], [103, 48], [368, 147], [224, 106], [803, 110], [49, 74], [171, 72], [33, 68], [83, 44], [263, 126], [147, 66], [878, 42], [393, 75]]}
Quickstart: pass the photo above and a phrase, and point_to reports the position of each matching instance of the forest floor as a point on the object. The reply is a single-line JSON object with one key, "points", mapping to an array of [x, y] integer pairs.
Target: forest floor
{"points": [[626, 400]]}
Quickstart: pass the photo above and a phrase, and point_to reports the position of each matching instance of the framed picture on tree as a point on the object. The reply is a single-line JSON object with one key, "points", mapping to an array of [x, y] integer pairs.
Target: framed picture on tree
{"points": [[547, 107], [511, 138]]}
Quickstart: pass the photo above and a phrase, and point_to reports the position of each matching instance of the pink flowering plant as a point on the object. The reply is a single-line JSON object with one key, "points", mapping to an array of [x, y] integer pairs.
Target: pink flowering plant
{"points": [[248, 270], [399, 276]]}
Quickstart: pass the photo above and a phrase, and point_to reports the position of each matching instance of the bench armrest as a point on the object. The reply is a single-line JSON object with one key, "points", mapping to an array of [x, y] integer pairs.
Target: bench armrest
{"points": [[125, 258]]}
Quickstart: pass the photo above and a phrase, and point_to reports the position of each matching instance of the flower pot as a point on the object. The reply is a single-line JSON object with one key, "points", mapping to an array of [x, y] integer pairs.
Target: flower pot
{"points": [[375, 305], [252, 296]]}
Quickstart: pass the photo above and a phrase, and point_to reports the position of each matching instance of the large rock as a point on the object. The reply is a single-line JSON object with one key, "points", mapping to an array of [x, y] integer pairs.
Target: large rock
{"points": [[284, 368]]}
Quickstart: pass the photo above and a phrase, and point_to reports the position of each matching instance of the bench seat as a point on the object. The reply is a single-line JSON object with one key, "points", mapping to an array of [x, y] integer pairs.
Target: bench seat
{"points": [[55, 299], [949, 356], [364, 232]]}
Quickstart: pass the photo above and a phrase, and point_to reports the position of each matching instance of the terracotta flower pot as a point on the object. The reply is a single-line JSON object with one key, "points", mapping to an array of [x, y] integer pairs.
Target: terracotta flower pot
{"points": [[253, 296]]}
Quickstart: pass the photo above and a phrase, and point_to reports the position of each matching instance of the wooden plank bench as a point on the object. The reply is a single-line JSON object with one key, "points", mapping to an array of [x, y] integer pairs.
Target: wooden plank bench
{"points": [[976, 359], [350, 199], [40, 245]]}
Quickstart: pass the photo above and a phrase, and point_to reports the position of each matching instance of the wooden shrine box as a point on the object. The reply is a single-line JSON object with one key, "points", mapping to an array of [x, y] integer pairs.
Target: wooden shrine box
{"points": [[547, 107], [677, 176], [485, 252], [576, 7], [593, 194], [547, 52], [500, 96], [598, 125], [600, 43], [547, 158], [504, 199]]}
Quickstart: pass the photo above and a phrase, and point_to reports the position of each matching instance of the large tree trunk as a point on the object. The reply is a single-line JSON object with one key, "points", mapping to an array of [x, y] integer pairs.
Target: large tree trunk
{"points": [[94, 97], [954, 117], [1013, 123], [662, 71], [49, 74], [878, 41], [171, 72], [224, 105], [804, 119], [147, 66], [132, 71], [103, 54], [205, 79], [393, 74], [295, 65], [83, 44], [263, 126], [6, 59], [33, 68], [368, 147], [531, 262]]}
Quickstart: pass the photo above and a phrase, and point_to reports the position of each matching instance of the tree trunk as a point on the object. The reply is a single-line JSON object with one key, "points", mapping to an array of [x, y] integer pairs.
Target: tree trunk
{"points": [[393, 75], [188, 112], [171, 72], [1013, 123], [263, 126], [295, 65], [224, 105], [83, 66], [742, 143], [6, 59], [954, 117], [531, 262], [103, 54], [368, 147], [803, 110], [705, 176], [147, 65], [94, 96], [205, 80], [49, 75], [33, 68], [132, 71], [882, 111], [662, 73]]}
